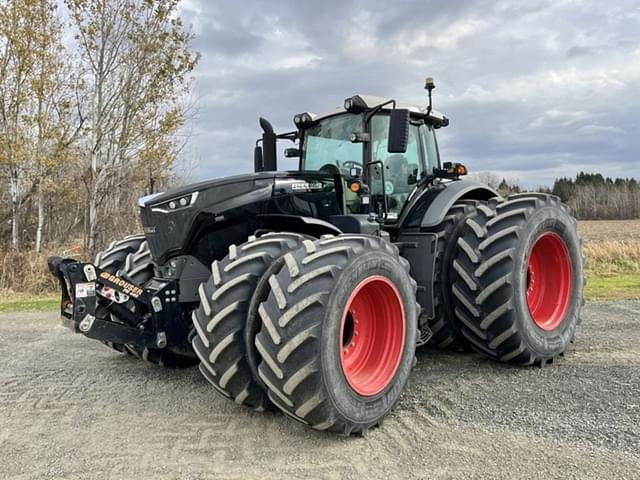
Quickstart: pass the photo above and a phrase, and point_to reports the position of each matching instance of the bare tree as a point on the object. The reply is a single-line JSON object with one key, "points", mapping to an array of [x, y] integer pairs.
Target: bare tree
{"points": [[52, 92], [16, 69], [137, 61], [33, 105]]}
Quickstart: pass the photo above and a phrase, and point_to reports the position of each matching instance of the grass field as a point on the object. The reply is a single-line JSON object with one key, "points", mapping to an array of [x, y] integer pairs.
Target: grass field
{"points": [[612, 248], [23, 302]]}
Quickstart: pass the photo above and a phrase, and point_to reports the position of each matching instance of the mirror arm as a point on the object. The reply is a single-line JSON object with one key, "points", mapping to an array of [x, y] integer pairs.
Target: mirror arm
{"points": [[291, 136], [377, 108]]}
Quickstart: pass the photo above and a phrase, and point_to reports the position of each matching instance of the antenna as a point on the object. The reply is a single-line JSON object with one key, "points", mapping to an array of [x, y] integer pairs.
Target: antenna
{"points": [[429, 86]]}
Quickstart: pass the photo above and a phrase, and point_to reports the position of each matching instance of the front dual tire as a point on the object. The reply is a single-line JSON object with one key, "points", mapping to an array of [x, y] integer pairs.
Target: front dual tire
{"points": [[228, 358], [339, 332], [329, 325]]}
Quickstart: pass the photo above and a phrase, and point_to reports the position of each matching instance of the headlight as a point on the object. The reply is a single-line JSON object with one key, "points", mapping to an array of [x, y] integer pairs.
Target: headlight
{"points": [[178, 203]]}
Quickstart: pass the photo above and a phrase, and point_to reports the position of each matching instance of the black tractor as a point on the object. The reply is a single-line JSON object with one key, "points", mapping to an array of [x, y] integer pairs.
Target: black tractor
{"points": [[308, 291]]}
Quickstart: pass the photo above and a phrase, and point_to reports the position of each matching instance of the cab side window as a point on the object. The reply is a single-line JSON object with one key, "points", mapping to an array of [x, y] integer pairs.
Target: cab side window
{"points": [[431, 148], [402, 171]]}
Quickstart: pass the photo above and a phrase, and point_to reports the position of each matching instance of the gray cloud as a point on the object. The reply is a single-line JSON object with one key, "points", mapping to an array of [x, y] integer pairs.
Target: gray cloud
{"points": [[534, 91]]}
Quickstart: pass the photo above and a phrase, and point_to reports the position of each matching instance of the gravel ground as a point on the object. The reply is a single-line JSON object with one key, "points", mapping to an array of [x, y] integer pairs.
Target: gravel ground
{"points": [[71, 408]]}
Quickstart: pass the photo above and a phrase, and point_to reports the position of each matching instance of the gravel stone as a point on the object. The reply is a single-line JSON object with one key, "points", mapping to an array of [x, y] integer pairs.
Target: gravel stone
{"points": [[72, 408]]}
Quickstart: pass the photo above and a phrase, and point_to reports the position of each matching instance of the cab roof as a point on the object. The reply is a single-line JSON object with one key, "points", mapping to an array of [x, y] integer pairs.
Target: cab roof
{"points": [[437, 118]]}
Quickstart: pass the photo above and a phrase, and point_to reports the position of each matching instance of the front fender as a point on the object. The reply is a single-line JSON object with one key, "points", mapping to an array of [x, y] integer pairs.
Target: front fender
{"points": [[315, 227]]}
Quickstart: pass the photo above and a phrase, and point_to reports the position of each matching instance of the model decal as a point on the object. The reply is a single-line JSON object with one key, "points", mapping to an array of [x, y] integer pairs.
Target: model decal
{"points": [[127, 287]]}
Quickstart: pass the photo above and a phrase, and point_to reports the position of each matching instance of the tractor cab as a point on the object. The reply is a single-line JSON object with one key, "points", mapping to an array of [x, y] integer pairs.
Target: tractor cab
{"points": [[379, 149], [357, 146]]}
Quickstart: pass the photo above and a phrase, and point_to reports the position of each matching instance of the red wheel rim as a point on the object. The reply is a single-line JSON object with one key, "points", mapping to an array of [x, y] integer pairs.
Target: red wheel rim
{"points": [[372, 334], [549, 281]]}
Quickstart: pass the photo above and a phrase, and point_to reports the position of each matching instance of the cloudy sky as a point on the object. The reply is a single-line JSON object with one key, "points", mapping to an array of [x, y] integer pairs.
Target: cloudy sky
{"points": [[534, 89]]}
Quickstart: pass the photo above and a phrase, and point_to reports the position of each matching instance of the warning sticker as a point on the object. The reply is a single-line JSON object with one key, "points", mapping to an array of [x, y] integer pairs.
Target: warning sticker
{"points": [[84, 290]]}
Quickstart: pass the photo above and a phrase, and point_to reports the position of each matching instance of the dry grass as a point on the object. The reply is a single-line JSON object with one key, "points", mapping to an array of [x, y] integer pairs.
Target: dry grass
{"points": [[25, 281], [27, 271], [612, 257], [612, 248]]}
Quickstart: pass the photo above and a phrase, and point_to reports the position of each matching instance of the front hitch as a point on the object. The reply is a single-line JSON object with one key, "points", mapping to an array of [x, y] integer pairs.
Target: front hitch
{"points": [[66, 272], [85, 287]]}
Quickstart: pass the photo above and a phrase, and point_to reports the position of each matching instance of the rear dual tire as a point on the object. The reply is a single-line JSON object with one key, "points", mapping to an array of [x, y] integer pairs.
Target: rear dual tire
{"points": [[444, 326], [518, 279]]}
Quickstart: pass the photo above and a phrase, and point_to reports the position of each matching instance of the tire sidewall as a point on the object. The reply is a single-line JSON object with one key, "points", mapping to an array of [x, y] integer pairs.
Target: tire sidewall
{"points": [[354, 407], [449, 253], [554, 220], [253, 322]]}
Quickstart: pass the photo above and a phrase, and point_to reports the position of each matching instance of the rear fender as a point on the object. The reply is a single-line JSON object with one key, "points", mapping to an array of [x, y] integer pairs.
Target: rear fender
{"points": [[430, 206], [460, 190]]}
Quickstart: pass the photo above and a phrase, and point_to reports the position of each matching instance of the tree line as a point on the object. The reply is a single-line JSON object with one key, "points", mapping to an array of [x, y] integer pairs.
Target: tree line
{"points": [[592, 196], [88, 123]]}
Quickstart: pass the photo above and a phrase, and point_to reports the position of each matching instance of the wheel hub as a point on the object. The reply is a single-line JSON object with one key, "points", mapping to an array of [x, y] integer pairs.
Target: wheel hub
{"points": [[549, 281], [372, 334]]}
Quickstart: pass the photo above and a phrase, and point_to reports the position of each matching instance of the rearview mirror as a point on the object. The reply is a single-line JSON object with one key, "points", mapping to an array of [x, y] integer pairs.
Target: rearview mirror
{"points": [[398, 131], [257, 159]]}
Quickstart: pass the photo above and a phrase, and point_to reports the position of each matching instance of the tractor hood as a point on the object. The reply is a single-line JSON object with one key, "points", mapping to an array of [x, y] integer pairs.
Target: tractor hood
{"points": [[177, 193], [192, 219]]}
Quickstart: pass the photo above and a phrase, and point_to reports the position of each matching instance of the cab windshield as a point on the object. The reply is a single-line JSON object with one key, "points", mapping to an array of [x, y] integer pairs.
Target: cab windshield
{"points": [[327, 146]]}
